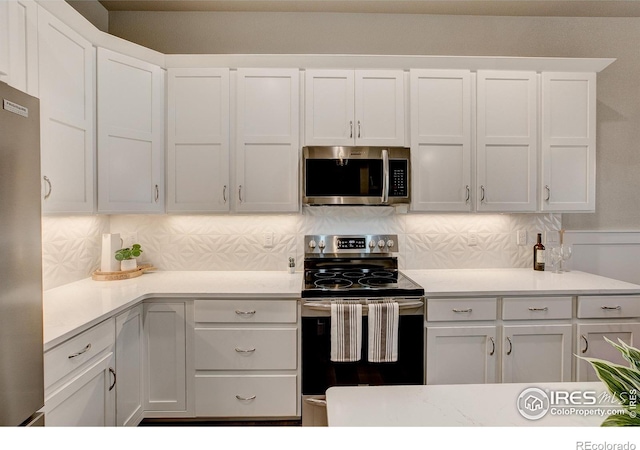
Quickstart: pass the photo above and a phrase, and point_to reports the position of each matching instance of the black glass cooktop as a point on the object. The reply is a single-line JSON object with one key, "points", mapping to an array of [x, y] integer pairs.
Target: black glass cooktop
{"points": [[342, 277]]}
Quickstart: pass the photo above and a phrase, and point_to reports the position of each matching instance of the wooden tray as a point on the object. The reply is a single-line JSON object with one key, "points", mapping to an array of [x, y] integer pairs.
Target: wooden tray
{"points": [[123, 274]]}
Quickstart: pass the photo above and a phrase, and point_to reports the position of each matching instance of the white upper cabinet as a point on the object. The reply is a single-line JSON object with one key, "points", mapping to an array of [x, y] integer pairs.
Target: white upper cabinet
{"points": [[362, 107], [19, 45], [130, 134], [568, 142], [267, 140], [198, 140], [507, 147], [66, 63], [441, 140]]}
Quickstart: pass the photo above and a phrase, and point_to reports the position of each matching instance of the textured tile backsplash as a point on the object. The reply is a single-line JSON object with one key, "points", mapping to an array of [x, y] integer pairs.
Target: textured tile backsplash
{"points": [[71, 245]]}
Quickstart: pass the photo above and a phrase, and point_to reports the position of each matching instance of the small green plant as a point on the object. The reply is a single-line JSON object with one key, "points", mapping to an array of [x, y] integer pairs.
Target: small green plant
{"points": [[622, 382], [128, 253]]}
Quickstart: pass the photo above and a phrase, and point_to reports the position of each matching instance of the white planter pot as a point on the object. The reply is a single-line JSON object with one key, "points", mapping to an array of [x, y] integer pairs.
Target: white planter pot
{"points": [[128, 264]]}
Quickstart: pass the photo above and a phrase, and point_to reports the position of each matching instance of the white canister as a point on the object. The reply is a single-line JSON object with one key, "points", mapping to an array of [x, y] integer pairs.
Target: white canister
{"points": [[110, 243]]}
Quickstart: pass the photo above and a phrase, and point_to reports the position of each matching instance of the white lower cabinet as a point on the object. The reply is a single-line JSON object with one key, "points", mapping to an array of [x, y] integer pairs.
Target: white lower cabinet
{"points": [[536, 353], [489, 340], [80, 379], [167, 343], [461, 355], [613, 317], [129, 357], [246, 358]]}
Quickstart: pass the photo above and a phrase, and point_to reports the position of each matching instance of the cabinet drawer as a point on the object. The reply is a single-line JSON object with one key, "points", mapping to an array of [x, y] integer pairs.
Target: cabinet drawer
{"points": [[68, 356], [532, 308], [246, 348], [246, 311], [610, 306], [246, 395], [455, 309]]}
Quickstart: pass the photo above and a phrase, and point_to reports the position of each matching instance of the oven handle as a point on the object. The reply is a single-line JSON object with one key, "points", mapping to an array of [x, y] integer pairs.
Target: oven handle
{"points": [[325, 306], [385, 176]]}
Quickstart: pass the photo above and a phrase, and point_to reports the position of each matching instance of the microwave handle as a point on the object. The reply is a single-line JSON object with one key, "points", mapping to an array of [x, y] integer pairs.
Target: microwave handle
{"points": [[385, 176]]}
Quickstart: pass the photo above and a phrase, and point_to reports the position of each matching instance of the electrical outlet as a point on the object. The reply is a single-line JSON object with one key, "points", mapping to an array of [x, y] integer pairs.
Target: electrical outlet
{"points": [[267, 241], [472, 238], [551, 238], [128, 239], [521, 237]]}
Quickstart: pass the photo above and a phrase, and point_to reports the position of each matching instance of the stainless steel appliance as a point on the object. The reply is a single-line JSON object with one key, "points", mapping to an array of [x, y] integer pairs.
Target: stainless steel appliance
{"points": [[360, 268], [21, 347], [355, 175]]}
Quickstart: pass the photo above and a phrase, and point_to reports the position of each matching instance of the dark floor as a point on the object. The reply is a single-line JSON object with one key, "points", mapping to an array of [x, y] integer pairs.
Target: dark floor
{"points": [[218, 423]]}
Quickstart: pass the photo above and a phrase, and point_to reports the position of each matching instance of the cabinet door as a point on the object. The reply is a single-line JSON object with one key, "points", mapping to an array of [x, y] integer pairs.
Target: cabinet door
{"points": [[87, 400], [129, 357], [590, 343], [507, 147], [568, 142], [19, 45], [441, 140], [461, 355], [198, 140], [165, 356], [540, 353], [130, 135], [66, 72], [329, 107], [379, 106], [267, 150]]}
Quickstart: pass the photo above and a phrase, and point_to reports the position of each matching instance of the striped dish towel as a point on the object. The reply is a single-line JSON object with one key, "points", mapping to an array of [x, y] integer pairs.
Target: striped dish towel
{"points": [[383, 331], [346, 331]]}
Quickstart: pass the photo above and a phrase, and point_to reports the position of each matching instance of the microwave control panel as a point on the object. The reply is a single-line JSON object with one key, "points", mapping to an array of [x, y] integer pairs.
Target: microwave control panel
{"points": [[398, 178]]}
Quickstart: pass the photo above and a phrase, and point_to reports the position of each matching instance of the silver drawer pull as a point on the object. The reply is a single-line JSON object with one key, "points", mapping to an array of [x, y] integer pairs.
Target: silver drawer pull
{"points": [[462, 310], [531, 308], [245, 313], [611, 308], [84, 350], [241, 350], [246, 399]]}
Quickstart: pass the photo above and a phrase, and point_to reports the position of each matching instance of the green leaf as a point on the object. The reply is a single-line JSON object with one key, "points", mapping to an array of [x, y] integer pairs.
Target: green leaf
{"points": [[620, 380], [621, 420]]}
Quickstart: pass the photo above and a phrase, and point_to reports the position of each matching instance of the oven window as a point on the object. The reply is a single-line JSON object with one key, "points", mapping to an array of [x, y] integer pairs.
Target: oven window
{"points": [[319, 372], [346, 178]]}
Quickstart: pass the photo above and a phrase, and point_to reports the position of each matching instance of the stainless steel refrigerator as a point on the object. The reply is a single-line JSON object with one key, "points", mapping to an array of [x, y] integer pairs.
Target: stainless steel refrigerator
{"points": [[21, 348]]}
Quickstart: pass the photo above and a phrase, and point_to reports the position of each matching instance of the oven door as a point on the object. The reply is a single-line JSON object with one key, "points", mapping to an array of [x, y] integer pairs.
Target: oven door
{"points": [[355, 176], [320, 373]]}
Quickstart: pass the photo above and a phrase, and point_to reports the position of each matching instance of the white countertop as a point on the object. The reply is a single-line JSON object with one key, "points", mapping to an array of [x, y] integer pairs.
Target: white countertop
{"points": [[75, 307], [454, 405], [501, 282]]}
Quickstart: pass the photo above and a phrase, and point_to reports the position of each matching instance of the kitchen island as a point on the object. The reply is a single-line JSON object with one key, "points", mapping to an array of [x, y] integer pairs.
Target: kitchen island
{"points": [[468, 405]]}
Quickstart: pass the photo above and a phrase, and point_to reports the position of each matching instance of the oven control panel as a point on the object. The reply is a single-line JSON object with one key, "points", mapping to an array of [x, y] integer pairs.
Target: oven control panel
{"points": [[337, 244]]}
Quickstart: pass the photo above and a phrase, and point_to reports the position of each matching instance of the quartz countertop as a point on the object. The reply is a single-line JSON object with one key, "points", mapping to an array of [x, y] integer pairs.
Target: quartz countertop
{"points": [[75, 307], [449, 405], [501, 282]]}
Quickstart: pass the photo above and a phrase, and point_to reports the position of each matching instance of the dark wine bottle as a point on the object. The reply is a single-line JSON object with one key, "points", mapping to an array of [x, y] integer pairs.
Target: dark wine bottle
{"points": [[538, 254]]}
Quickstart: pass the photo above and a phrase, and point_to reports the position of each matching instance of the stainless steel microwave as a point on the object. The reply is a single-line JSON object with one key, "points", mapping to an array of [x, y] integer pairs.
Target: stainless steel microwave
{"points": [[355, 175]]}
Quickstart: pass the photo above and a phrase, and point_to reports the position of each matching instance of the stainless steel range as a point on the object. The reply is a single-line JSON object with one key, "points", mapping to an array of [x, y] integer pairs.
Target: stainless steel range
{"points": [[362, 269]]}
